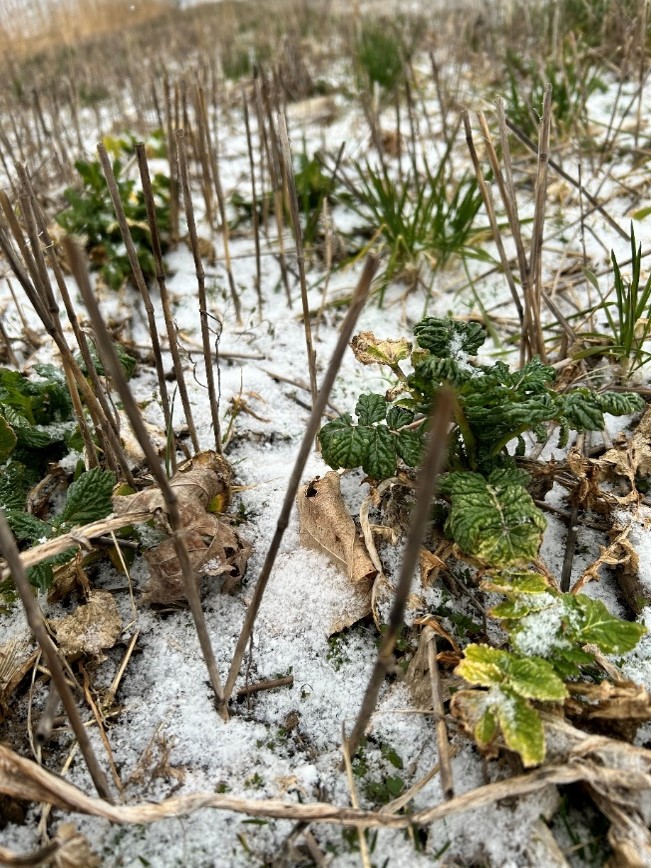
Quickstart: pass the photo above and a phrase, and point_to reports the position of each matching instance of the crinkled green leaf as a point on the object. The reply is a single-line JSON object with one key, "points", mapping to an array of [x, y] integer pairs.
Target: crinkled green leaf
{"points": [[344, 444], [493, 519], [26, 527], [41, 576], [397, 417], [371, 408], [522, 728], [599, 627], [582, 410], [16, 480], [409, 445], [446, 337], [8, 439], [89, 497], [380, 461], [621, 403]]}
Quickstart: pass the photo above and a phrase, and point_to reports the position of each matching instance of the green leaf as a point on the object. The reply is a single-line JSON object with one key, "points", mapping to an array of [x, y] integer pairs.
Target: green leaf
{"points": [[621, 403], [344, 444], [8, 439], [516, 582], [89, 497], [485, 728], [15, 481], [522, 728], [534, 678], [598, 627], [582, 410], [447, 337], [381, 459], [397, 417], [26, 527], [409, 445], [41, 576], [482, 665], [493, 519], [371, 408]]}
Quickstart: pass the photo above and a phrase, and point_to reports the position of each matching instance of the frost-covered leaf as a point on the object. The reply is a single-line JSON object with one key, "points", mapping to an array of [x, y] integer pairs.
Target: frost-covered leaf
{"points": [[447, 337], [380, 461], [599, 627], [493, 519], [89, 497], [370, 350], [521, 605], [371, 408], [343, 444], [522, 728]]}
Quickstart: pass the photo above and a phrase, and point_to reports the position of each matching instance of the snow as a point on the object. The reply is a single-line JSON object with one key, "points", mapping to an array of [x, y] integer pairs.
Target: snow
{"points": [[286, 743]]}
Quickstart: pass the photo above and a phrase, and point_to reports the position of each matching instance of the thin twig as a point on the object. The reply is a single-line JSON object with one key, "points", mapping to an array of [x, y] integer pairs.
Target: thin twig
{"points": [[429, 470], [139, 280], [442, 741], [359, 297], [213, 397], [172, 331], [300, 255], [171, 502], [37, 625]]}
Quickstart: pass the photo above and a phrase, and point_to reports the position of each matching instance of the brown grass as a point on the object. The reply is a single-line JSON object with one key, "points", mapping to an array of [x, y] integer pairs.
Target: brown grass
{"points": [[70, 21]]}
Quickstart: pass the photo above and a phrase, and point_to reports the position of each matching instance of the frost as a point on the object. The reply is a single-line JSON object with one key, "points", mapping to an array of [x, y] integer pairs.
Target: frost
{"points": [[539, 633]]}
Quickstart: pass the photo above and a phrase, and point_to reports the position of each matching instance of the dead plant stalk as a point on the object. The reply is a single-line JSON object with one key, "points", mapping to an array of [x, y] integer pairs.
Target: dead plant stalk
{"points": [[108, 353], [359, 297]]}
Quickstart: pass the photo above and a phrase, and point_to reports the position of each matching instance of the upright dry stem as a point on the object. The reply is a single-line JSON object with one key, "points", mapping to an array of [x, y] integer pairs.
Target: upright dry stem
{"points": [[300, 256], [107, 349], [318, 407], [38, 627], [213, 397], [430, 467]]}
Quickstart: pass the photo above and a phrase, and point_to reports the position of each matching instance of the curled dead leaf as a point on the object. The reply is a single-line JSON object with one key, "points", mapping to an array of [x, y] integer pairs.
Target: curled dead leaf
{"points": [[370, 350], [93, 626], [202, 487], [327, 526], [74, 850]]}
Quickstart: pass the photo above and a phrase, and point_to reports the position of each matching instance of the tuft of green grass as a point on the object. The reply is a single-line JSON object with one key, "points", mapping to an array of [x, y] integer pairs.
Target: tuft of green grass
{"points": [[627, 308], [422, 220]]}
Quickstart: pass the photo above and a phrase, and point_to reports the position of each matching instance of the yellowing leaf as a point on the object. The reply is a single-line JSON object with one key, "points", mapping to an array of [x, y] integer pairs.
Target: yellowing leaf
{"points": [[522, 728], [370, 350]]}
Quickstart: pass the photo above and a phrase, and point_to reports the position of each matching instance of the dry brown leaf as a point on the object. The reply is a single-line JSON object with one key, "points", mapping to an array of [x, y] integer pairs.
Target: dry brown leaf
{"points": [[90, 628], [202, 486], [618, 709], [620, 553], [17, 656], [327, 526], [633, 456], [370, 350], [74, 850]]}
